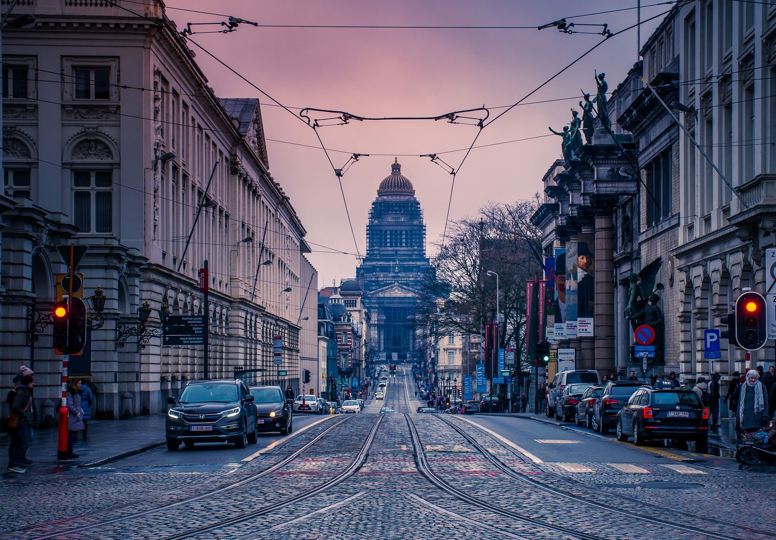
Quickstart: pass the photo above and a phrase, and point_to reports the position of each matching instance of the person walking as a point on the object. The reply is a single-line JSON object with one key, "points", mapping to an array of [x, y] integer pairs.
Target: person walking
{"points": [[672, 380], [700, 390], [87, 400], [731, 396], [289, 392], [714, 393], [20, 421], [75, 415], [752, 409]]}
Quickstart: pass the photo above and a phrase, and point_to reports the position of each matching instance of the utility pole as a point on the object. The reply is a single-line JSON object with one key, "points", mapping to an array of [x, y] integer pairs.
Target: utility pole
{"points": [[204, 285]]}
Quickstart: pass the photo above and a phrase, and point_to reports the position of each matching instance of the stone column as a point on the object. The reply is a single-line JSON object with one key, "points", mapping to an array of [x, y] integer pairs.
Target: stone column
{"points": [[604, 293]]}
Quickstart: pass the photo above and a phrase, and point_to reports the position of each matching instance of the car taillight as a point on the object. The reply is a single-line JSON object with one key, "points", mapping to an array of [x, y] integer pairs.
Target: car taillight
{"points": [[647, 412], [572, 401], [705, 413], [609, 401]]}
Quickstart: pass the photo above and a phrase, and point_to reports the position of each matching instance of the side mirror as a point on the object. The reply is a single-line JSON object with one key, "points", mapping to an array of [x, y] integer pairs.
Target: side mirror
{"points": [[172, 400], [249, 398]]}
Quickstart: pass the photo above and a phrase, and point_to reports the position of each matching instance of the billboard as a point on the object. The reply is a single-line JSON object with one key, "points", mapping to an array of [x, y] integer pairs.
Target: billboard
{"points": [[580, 285], [559, 293]]}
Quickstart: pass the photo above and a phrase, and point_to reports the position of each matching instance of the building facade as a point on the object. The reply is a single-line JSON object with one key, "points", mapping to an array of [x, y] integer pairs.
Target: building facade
{"points": [[395, 269], [115, 142]]}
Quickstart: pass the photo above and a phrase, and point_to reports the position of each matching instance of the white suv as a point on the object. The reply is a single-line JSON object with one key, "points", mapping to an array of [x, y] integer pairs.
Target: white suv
{"points": [[564, 378], [308, 403]]}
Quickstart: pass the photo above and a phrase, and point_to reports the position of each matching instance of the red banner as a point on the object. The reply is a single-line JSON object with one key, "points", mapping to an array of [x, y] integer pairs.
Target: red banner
{"points": [[542, 317], [529, 341], [203, 279]]}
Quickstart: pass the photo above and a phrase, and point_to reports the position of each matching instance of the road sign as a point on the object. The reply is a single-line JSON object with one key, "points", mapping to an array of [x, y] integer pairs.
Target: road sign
{"points": [[501, 357], [770, 291], [183, 330], [282, 373], [644, 335], [498, 380], [78, 253], [480, 378], [278, 360], [711, 344], [505, 373], [644, 351]]}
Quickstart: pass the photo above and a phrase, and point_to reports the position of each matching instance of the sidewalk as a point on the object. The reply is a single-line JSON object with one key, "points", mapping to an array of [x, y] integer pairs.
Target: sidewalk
{"points": [[108, 441]]}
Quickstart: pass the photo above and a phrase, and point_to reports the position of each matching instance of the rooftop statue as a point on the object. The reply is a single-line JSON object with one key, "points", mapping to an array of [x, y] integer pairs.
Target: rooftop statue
{"points": [[600, 100], [588, 122]]}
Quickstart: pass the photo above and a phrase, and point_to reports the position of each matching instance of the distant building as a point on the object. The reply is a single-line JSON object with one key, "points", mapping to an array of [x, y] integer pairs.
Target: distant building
{"points": [[395, 268]]}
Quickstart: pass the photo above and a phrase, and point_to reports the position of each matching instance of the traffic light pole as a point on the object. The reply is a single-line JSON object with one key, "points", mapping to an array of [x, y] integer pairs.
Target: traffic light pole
{"points": [[62, 450]]}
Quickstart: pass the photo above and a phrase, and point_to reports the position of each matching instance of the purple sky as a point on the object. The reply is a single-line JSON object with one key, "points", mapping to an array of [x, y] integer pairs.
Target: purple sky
{"points": [[408, 73]]}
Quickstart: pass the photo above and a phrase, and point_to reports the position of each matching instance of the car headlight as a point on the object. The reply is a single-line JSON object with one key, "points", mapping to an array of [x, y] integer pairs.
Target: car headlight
{"points": [[231, 413], [175, 415], [275, 414]]}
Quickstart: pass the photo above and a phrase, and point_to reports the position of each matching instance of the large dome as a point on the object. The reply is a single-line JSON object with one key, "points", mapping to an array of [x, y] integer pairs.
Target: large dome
{"points": [[396, 183]]}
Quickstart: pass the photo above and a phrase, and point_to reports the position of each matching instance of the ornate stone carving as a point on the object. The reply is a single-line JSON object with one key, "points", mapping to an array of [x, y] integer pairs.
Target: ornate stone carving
{"points": [[90, 113], [92, 149], [14, 148], [27, 111]]}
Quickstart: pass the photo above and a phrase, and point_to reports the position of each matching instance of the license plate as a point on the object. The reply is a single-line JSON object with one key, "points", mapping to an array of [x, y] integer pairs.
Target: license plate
{"points": [[201, 428], [261, 420], [678, 414]]}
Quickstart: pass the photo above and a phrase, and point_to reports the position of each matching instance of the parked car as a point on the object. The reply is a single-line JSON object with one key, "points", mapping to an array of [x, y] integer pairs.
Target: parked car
{"points": [[351, 406], [613, 398], [306, 403], [489, 404], [273, 412], [379, 394], [563, 379], [471, 407], [566, 404], [211, 411], [583, 415], [664, 414]]}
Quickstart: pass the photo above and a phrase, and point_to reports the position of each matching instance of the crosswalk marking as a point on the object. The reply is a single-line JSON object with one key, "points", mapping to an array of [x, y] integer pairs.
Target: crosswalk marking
{"points": [[628, 468], [574, 467], [683, 469]]}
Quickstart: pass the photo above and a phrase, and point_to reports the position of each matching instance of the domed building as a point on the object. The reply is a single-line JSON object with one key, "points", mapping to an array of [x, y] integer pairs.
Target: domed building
{"points": [[395, 268]]}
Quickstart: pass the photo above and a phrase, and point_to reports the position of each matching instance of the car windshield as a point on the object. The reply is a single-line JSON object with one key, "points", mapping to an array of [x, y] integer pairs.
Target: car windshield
{"points": [[623, 391], [350, 402], [676, 398], [581, 377], [578, 388], [266, 395], [210, 393]]}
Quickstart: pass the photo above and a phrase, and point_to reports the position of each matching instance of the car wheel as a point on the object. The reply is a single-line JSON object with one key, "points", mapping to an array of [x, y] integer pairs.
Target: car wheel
{"points": [[602, 429], [172, 446], [253, 436], [242, 440], [621, 436], [189, 444], [702, 445], [638, 438]]}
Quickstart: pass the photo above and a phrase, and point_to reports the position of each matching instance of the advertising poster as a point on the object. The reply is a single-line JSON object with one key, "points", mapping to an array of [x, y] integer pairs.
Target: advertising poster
{"points": [[559, 289], [467, 388], [571, 289]]}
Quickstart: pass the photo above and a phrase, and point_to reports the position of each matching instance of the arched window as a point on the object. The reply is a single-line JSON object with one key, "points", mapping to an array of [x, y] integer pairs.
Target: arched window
{"points": [[93, 162], [19, 168]]}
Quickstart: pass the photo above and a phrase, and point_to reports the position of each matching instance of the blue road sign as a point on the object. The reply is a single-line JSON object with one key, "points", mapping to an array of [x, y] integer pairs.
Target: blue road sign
{"points": [[501, 354], [644, 351], [711, 344], [468, 392], [498, 380], [480, 378]]}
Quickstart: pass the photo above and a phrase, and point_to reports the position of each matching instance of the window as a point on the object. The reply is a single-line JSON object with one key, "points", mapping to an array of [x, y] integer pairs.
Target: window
{"points": [[708, 31], [93, 201], [450, 357], [450, 339], [15, 81], [18, 183], [658, 194], [91, 82]]}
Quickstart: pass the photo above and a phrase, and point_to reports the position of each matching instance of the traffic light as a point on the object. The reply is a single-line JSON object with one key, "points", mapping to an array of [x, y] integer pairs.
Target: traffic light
{"points": [[60, 318], [69, 326], [543, 351], [307, 376], [729, 321], [751, 327]]}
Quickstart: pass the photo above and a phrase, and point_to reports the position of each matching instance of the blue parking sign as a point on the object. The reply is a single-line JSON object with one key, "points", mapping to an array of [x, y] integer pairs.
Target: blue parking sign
{"points": [[711, 344]]}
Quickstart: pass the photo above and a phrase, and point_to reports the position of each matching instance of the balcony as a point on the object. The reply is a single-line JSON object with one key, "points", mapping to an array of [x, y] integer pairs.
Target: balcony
{"points": [[103, 8], [757, 200]]}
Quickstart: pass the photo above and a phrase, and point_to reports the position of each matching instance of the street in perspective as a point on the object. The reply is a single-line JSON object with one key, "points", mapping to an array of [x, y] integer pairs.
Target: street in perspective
{"points": [[511, 273]]}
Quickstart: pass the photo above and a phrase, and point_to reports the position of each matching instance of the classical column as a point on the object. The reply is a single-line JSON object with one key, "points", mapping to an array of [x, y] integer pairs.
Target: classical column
{"points": [[604, 293]]}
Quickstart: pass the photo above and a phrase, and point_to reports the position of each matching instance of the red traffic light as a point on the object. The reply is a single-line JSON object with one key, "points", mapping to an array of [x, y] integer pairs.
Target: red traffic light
{"points": [[60, 311], [750, 321], [751, 307]]}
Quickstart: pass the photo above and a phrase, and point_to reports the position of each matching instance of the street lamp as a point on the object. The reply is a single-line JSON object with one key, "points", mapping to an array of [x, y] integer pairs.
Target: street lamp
{"points": [[490, 360], [144, 334]]}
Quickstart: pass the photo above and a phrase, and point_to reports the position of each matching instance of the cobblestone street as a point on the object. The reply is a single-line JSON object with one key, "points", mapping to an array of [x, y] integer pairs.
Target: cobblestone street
{"points": [[391, 473]]}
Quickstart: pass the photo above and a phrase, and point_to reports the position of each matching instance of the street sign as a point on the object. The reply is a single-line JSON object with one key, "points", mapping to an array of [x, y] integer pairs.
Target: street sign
{"points": [[498, 380], [566, 359], [204, 279], [711, 344], [183, 330], [644, 351], [644, 335], [480, 378], [505, 373], [585, 327], [501, 356], [278, 360], [78, 253], [770, 291], [282, 373]]}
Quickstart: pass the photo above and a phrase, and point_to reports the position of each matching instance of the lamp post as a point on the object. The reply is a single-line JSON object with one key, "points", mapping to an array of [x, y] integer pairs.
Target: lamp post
{"points": [[495, 345], [140, 330]]}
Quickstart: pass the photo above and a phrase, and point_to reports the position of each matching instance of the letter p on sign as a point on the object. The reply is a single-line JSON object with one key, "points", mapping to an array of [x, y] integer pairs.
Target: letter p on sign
{"points": [[711, 344]]}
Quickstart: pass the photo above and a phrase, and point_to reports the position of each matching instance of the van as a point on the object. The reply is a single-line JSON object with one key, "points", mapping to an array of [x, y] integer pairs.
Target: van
{"points": [[559, 382]]}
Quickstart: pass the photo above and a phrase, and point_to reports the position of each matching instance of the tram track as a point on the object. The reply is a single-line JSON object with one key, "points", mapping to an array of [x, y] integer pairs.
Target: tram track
{"points": [[202, 495], [509, 471]]}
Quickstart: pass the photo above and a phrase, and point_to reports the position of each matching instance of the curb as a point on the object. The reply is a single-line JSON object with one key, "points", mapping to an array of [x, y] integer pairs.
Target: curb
{"points": [[122, 455]]}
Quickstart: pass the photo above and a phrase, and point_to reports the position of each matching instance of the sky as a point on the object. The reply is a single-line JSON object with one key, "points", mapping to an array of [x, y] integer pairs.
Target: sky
{"points": [[409, 72]]}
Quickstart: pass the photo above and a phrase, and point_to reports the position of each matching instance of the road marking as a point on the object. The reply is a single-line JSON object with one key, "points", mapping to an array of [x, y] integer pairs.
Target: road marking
{"points": [[628, 468], [459, 517], [322, 510], [505, 441], [683, 469], [556, 441], [574, 467], [284, 439]]}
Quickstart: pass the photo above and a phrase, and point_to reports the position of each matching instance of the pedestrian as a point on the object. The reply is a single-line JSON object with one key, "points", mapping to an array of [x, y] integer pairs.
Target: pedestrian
{"points": [[731, 395], [289, 392], [752, 410], [75, 415], [87, 400], [672, 380], [612, 376], [714, 393], [632, 376], [701, 390], [769, 377], [20, 420]]}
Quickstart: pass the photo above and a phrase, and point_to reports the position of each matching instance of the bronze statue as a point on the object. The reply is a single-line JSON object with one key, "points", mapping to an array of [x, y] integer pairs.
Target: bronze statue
{"points": [[588, 122], [634, 310], [575, 139], [600, 100], [565, 144]]}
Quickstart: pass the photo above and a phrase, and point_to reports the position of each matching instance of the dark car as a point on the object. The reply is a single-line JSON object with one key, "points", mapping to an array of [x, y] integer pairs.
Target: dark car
{"points": [[273, 411], [471, 407], [566, 403], [664, 414], [613, 398], [211, 411], [584, 409], [490, 404]]}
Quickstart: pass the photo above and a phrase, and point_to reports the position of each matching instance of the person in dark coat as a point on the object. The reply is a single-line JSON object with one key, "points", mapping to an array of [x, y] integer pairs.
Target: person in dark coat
{"points": [[672, 380], [752, 408], [22, 410], [87, 400], [714, 392], [75, 414]]}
